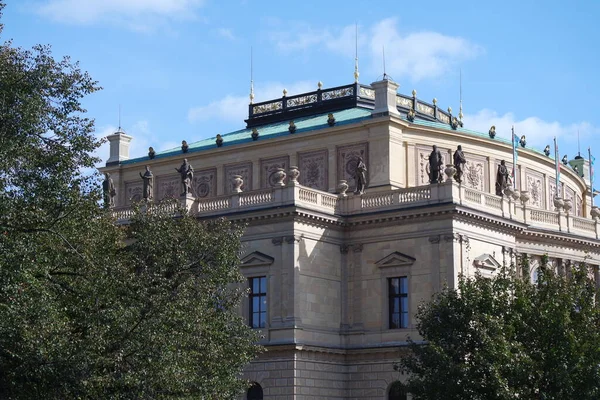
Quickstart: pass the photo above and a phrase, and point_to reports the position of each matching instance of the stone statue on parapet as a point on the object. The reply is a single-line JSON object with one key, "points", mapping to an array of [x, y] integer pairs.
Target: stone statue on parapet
{"points": [[147, 189], [459, 162], [436, 165], [187, 175], [108, 191], [501, 178], [360, 176]]}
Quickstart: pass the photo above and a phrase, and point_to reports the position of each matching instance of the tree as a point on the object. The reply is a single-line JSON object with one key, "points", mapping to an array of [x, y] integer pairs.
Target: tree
{"points": [[508, 338], [89, 309]]}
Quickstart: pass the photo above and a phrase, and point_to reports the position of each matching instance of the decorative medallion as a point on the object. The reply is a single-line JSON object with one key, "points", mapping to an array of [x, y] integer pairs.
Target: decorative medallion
{"points": [[205, 183], [314, 169], [242, 169], [269, 168], [134, 192], [347, 159]]}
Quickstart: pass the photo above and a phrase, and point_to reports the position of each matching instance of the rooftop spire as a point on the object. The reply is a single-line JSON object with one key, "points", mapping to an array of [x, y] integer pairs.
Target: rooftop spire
{"points": [[251, 78], [356, 74]]}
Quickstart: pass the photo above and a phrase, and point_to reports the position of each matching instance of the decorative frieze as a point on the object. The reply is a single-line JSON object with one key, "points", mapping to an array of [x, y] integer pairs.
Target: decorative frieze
{"points": [[347, 159], [133, 192], [314, 169], [474, 175], [205, 183], [535, 185], [269, 169], [169, 187], [242, 169]]}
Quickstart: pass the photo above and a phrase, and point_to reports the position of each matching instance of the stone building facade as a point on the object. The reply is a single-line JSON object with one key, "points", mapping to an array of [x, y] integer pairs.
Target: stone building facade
{"points": [[335, 276]]}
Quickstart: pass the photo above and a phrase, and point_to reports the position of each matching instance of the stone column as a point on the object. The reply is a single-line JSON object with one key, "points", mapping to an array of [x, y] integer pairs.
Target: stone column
{"points": [[452, 241], [346, 288], [437, 271], [358, 319], [290, 252], [276, 302]]}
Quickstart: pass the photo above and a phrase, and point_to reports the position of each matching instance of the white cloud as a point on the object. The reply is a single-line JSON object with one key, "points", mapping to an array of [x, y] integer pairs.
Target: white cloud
{"points": [[143, 138], [538, 132], [226, 33], [418, 55], [235, 108], [136, 14]]}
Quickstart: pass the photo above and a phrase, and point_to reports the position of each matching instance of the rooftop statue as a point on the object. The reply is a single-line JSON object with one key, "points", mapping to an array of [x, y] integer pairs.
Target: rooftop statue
{"points": [[436, 164], [501, 178], [360, 176], [459, 161], [187, 174], [108, 191], [147, 189]]}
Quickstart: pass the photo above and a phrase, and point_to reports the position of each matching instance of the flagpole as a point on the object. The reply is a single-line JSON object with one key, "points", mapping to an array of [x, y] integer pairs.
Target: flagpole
{"points": [[557, 167], [514, 144], [590, 160]]}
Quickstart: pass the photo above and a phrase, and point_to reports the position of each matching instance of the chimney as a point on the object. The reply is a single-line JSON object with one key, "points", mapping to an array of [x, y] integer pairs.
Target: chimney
{"points": [[119, 147], [385, 97]]}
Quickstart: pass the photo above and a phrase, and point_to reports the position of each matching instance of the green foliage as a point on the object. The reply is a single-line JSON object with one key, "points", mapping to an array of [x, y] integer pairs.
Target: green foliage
{"points": [[507, 338], [90, 310]]}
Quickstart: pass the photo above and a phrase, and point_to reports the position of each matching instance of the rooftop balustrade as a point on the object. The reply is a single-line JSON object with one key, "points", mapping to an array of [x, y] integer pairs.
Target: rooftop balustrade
{"points": [[511, 207]]}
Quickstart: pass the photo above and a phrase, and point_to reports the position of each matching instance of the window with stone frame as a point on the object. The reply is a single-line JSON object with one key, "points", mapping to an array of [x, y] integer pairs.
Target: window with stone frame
{"points": [[398, 302], [257, 314]]}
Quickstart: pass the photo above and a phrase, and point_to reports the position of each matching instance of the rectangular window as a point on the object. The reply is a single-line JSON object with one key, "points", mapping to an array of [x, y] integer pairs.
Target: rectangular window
{"points": [[258, 301], [398, 302]]}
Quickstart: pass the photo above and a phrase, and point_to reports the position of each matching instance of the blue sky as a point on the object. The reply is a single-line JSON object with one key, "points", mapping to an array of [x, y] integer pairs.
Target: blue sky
{"points": [[180, 69]]}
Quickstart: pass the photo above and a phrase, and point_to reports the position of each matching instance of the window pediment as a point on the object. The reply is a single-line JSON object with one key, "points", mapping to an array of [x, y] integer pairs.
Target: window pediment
{"points": [[487, 262], [395, 259], [256, 259]]}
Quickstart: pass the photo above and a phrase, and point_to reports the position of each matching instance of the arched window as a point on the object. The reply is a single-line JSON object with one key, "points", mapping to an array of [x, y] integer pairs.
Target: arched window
{"points": [[255, 392], [397, 391]]}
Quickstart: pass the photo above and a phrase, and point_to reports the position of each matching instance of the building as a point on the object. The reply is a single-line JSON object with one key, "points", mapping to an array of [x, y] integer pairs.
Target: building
{"points": [[335, 275]]}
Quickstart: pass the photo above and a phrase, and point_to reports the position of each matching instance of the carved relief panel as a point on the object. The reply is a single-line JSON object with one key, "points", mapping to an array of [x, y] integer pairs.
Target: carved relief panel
{"points": [[535, 186], [314, 169], [475, 172], [422, 167], [347, 159], [579, 206], [169, 187], [243, 169], [268, 168], [205, 183], [133, 192]]}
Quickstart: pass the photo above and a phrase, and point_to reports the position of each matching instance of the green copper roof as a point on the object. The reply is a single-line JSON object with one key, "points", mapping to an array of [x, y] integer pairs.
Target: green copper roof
{"points": [[440, 125], [304, 124]]}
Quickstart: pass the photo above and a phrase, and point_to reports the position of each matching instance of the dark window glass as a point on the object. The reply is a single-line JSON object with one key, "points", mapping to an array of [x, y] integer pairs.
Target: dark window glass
{"points": [[398, 302], [255, 392], [397, 392], [258, 301]]}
